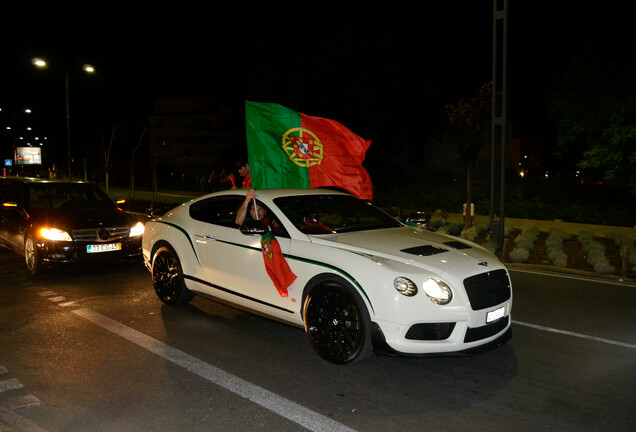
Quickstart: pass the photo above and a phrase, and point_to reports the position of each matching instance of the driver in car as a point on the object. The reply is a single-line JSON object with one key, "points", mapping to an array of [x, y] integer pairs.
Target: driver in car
{"points": [[257, 212]]}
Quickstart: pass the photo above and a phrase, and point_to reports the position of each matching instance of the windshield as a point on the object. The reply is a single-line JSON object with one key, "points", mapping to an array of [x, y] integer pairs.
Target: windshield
{"points": [[329, 214], [66, 195]]}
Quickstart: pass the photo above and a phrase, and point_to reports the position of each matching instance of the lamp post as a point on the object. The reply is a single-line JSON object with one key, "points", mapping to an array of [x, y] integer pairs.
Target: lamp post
{"points": [[41, 63]]}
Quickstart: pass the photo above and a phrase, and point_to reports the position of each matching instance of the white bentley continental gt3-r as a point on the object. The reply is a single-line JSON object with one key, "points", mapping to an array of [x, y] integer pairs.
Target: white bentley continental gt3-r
{"points": [[363, 280]]}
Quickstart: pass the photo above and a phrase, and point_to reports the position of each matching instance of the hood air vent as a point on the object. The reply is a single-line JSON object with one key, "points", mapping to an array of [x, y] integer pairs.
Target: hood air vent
{"points": [[426, 250]]}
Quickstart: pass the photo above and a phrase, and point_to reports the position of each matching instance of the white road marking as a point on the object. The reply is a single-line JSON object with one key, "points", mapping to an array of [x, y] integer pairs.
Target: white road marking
{"points": [[268, 400], [568, 333], [575, 277], [17, 422], [68, 303]]}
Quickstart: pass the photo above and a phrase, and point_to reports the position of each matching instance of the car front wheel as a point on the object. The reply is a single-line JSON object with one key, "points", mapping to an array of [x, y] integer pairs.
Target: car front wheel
{"points": [[167, 278], [31, 256], [337, 324]]}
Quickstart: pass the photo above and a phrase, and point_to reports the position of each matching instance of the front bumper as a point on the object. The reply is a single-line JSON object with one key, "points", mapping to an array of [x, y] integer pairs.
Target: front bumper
{"points": [[499, 333], [51, 252]]}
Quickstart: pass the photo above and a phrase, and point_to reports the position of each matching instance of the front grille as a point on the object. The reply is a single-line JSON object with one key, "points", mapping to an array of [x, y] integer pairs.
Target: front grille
{"points": [[430, 331], [487, 289], [101, 235], [479, 333]]}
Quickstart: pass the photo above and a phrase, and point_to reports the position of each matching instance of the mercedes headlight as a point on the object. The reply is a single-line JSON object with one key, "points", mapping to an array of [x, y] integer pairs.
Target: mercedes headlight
{"points": [[137, 230], [437, 291], [55, 234], [405, 286]]}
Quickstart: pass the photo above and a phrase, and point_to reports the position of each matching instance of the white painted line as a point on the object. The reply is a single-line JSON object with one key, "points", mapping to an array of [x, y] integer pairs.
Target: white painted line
{"points": [[268, 400], [47, 293], [575, 277], [17, 422], [57, 299], [69, 303], [23, 402], [568, 333]]}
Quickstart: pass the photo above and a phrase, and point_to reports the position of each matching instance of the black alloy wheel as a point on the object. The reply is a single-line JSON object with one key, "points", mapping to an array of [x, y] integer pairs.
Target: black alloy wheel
{"points": [[167, 278], [337, 324]]}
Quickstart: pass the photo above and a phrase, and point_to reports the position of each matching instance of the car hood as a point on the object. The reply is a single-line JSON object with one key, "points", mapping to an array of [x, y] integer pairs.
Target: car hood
{"points": [[425, 249], [73, 219]]}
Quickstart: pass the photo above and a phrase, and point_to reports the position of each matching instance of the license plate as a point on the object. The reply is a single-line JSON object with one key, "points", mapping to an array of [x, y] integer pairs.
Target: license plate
{"points": [[495, 315], [103, 247]]}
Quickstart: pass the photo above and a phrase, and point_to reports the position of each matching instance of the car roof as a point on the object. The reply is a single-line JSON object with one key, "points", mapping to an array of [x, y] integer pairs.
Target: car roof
{"points": [[40, 180], [277, 193]]}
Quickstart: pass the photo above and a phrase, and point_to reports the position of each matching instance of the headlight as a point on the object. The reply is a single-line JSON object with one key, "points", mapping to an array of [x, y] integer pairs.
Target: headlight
{"points": [[437, 291], [137, 230], [405, 286], [55, 234]]}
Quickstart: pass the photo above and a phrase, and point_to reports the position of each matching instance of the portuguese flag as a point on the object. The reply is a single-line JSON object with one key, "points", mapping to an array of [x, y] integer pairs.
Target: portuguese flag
{"points": [[276, 264], [287, 149]]}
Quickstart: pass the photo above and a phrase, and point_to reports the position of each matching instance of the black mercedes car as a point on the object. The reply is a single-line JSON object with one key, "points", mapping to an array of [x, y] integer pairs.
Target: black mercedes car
{"points": [[50, 222]]}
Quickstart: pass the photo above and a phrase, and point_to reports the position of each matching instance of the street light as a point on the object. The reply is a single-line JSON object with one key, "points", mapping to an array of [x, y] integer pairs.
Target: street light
{"points": [[41, 63]]}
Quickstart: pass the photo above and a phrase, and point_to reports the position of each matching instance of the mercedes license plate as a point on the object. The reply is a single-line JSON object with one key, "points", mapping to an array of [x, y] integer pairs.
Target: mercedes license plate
{"points": [[103, 247], [495, 315]]}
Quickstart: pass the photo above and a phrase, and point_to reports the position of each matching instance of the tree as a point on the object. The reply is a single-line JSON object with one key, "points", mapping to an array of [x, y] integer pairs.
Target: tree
{"points": [[132, 164], [614, 154], [467, 122], [594, 104], [107, 157]]}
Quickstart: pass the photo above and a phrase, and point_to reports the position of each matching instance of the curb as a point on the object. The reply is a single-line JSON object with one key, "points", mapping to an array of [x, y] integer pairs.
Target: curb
{"points": [[575, 272]]}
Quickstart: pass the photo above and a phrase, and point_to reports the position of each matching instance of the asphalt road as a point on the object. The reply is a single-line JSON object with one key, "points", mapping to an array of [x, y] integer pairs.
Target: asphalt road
{"points": [[93, 349]]}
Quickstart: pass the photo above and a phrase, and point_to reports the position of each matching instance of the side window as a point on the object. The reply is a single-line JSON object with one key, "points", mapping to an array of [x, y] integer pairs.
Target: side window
{"points": [[218, 210], [38, 197]]}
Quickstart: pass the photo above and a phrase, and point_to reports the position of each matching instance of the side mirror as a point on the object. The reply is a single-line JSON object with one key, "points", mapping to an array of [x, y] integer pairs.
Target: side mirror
{"points": [[253, 227], [122, 204], [14, 205]]}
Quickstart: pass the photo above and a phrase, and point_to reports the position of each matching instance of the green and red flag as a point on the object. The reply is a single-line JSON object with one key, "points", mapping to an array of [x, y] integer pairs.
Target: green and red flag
{"points": [[288, 149], [276, 264]]}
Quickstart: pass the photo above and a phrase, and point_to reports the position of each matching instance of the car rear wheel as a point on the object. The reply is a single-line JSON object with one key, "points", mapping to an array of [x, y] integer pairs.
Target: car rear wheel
{"points": [[167, 278], [31, 256], [337, 324]]}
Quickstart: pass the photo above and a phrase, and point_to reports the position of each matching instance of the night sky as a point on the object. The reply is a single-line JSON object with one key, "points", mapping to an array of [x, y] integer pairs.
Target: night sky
{"points": [[384, 69]]}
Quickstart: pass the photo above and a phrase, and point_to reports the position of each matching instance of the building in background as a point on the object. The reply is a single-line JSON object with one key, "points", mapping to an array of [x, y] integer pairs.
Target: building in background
{"points": [[189, 137]]}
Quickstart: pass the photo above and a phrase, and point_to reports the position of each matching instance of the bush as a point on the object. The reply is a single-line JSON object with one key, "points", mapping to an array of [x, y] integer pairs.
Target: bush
{"points": [[481, 227], [554, 247], [595, 252], [469, 234], [455, 228], [519, 255], [528, 236], [435, 223], [490, 245], [558, 257], [585, 237], [603, 266], [442, 230]]}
